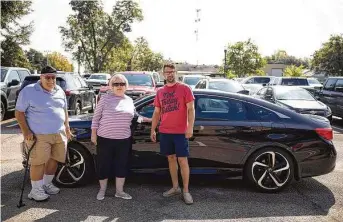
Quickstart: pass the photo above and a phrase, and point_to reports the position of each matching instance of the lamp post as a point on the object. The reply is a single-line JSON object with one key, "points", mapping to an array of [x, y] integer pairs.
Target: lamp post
{"points": [[225, 65]]}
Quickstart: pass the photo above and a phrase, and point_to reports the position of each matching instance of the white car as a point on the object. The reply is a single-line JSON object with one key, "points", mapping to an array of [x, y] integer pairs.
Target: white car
{"points": [[97, 79], [192, 80]]}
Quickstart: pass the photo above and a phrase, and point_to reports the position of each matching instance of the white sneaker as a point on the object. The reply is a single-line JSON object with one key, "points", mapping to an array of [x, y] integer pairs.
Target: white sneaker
{"points": [[123, 195], [51, 189], [101, 194], [38, 194]]}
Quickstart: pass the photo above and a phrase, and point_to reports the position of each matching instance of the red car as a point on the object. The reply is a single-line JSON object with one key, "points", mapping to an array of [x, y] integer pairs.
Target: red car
{"points": [[140, 84]]}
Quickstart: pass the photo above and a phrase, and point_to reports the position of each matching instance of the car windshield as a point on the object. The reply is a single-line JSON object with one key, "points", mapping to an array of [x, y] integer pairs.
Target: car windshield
{"points": [[139, 79], [192, 81], [98, 77], [227, 86], [294, 82], [3, 74], [293, 94], [313, 81]]}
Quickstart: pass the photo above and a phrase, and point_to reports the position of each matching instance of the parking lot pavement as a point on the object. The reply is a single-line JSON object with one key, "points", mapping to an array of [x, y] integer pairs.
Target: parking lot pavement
{"points": [[313, 199]]}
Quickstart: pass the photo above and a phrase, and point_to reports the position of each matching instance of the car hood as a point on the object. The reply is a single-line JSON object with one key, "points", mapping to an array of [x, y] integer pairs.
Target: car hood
{"points": [[302, 104], [96, 81]]}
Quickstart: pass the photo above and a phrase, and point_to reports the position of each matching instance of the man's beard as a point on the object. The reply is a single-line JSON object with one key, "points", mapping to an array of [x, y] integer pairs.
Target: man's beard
{"points": [[171, 80]]}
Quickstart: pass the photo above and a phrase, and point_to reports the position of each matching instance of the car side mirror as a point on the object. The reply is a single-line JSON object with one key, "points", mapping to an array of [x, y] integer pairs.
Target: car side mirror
{"points": [[14, 82], [245, 92], [269, 97]]}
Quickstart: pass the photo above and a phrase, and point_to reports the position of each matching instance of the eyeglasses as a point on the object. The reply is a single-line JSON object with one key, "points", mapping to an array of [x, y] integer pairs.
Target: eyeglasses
{"points": [[116, 84], [170, 72], [48, 77]]}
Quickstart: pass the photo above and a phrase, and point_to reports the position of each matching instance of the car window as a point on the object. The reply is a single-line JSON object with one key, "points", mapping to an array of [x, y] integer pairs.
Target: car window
{"points": [[294, 82], [70, 82], [3, 74], [139, 79], [82, 82], [257, 113], [339, 85], [220, 109], [313, 81], [227, 86], [13, 75], [98, 77], [191, 81], [330, 84], [198, 85], [262, 92], [147, 110], [23, 74]]}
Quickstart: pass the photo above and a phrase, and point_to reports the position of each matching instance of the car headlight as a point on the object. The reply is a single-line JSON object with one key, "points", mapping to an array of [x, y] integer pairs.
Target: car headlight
{"points": [[327, 112]]}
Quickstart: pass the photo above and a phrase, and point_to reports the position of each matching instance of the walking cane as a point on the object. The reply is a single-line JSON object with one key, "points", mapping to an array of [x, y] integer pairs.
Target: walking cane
{"points": [[21, 204]]}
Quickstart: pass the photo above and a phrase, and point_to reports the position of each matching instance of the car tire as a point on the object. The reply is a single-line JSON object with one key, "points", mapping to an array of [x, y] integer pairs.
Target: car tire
{"points": [[3, 111], [78, 109], [78, 169], [269, 169]]}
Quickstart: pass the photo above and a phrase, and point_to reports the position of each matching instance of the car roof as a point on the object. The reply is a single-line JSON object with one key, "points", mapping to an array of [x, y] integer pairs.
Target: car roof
{"points": [[286, 87], [100, 74], [195, 75], [290, 77], [220, 80], [6, 67]]}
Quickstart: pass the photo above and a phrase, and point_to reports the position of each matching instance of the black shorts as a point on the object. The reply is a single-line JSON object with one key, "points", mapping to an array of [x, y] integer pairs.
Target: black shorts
{"points": [[174, 144], [113, 157]]}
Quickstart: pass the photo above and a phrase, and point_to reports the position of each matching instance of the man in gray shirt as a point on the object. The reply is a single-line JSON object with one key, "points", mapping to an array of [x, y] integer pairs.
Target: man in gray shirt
{"points": [[41, 112]]}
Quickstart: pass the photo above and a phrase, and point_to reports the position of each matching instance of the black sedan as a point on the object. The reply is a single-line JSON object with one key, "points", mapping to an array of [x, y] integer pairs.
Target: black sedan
{"points": [[234, 134], [295, 98]]}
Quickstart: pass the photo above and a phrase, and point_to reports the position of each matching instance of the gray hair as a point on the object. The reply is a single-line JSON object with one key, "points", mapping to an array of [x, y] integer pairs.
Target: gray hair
{"points": [[121, 77]]}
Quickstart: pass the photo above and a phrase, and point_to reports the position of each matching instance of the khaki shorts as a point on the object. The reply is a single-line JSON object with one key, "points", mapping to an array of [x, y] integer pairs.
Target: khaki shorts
{"points": [[48, 146]]}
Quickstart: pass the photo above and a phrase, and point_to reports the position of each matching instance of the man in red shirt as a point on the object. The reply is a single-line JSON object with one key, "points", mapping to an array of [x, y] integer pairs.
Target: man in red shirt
{"points": [[174, 105]]}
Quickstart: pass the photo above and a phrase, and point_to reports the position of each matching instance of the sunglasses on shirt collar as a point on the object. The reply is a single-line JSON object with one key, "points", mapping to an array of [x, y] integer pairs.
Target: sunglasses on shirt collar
{"points": [[119, 84]]}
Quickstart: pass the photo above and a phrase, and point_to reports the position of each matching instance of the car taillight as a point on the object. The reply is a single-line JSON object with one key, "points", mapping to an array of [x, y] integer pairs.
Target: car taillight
{"points": [[326, 133], [67, 92]]}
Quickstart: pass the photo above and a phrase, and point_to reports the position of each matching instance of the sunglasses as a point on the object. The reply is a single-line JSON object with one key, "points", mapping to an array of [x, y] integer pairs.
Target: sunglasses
{"points": [[116, 84], [48, 77]]}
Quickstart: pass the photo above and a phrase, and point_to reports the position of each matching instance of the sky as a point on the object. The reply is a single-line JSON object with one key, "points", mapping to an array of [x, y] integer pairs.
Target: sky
{"points": [[297, 26]]}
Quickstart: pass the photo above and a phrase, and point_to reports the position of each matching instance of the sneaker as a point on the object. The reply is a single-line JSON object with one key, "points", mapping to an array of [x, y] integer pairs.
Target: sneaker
{"points": [[187, 197], [172, 192], [51, 189], [38, 194], [123, 195], [101, 194]]}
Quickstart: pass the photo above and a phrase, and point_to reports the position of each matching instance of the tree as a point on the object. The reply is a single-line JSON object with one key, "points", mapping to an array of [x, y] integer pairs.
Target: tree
{"points": [[97, 32], [60, 62], [294, 71], [13, 55], [243, 58], [281, 57], [36, 58], [329, 58]]}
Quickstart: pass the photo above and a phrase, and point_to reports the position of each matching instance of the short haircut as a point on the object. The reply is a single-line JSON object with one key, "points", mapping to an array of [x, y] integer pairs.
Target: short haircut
{"points": [[169, 65], [119, 76]]}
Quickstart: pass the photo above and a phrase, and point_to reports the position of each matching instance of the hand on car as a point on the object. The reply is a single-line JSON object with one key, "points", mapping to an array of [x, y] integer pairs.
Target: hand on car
{"points": [[153, 136]]}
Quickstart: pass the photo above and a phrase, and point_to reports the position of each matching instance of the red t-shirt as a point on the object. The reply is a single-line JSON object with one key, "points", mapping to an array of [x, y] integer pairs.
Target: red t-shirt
{"points": [[173, 103]]}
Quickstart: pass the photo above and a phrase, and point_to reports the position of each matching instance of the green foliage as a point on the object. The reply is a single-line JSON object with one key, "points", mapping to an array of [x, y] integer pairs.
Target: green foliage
{"points": [[329, 58], [294, 71], [13, 55], [97, 33], [36, 58], [243, 58], [60, 62], [281, 57]]}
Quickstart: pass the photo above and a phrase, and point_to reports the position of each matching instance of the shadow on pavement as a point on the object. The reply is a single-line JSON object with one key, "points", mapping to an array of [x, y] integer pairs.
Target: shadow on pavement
{"points": [[214, 198]]}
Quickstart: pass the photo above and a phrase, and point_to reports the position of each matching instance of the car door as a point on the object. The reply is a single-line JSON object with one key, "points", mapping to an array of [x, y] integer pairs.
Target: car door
{"points": [[326, 96], [88, 94], [83, 95], [221, 133], [13, 85], [145, 153], [337, 97]]}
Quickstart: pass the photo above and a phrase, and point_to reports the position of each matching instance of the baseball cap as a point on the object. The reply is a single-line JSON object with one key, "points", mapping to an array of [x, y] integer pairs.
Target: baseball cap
{"points": [[48, 70]]}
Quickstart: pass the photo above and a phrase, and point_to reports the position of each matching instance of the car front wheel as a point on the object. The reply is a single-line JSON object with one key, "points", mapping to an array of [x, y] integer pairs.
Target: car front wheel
{"points": [[269, 169], [78, 169]]}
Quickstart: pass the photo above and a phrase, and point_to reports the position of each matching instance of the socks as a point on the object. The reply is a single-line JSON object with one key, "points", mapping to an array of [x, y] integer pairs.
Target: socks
{"points": [[103, 184], [36, 184], [120, 184], [47, 179]]}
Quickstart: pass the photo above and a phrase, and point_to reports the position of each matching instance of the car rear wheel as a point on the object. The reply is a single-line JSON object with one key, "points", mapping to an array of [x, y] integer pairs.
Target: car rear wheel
{"points": [[78, 169], [78, 108], [3, 111], [269, 169]]}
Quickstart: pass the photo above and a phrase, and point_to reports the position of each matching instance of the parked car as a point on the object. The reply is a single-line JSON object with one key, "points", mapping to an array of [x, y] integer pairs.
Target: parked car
{"points": [[140, 84], [192, 80], [95, 80], [226, 85], [295, 81], [80, 97], [261, 80], [11, 81], [234, 134], [296, 99], [332, 95], [314, 83]]}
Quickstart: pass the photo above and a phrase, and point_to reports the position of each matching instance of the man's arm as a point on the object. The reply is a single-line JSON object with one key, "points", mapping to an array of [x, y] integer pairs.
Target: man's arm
{"points": [[21, 118], [155, 118], [191, 117], [66, 125]]}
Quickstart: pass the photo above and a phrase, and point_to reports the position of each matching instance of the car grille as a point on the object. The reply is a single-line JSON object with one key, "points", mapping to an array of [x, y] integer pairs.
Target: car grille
{"points": [[314, 112]]}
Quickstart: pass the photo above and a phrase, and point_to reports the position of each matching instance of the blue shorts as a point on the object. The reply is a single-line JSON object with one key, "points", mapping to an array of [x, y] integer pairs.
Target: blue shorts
{"points": [[174, 144]]}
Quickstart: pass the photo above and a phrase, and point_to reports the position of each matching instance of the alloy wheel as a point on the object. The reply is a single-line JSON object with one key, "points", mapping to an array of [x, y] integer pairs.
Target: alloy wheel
{"points": [[271, 170], [73, 170]]}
